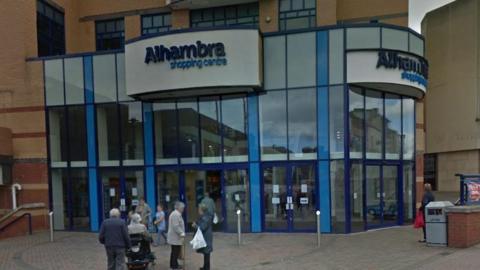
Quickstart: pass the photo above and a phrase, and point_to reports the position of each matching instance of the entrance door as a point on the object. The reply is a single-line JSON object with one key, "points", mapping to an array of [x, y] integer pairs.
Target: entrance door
{"points": [[289, 198], [381, 195], [168, 189]]}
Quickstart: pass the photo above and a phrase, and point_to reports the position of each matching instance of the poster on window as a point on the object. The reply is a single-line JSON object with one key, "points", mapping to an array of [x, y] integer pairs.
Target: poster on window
{"points": [[473, 192]]}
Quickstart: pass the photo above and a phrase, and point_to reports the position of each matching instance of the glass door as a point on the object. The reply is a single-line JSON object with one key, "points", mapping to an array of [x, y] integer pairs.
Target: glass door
{"points": [[381, 187], [168, 190], [289, 197]]}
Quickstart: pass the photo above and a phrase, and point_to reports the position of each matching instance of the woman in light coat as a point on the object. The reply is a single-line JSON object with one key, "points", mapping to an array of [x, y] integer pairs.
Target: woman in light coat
{"points": [[176, 233], [204, 223]]}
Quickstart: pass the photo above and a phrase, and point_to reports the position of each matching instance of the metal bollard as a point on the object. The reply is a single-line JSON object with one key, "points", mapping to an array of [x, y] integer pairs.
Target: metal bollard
{"points": [[50, 217], [318, 228], [239, 227]]}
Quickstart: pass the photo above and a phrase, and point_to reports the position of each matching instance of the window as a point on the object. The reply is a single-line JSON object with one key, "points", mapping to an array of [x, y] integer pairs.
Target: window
{"points": [[234, 125], [50, 30], [77, 137], [363, 38], [166, 132], [54, 93], [58, 136], [430, 170], [356, 197], [337, 193], [302, 120], [104, 78], [408, 192], [374, 124], [394, 39], [408, 107], [393, 126], [188, 119], [273, 125], [156, 23], [336, 117], [210, 130], [356, 111], [245, 14], [107, 135], [131, 124], [297, 14], [110, 34]]}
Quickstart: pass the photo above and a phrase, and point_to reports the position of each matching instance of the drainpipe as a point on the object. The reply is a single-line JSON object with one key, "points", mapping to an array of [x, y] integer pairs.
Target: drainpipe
{"points": [[15, 187]]}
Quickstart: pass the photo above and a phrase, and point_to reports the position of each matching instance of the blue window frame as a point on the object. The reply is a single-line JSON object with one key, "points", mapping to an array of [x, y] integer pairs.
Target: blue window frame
{"points": [[297, 14], [50, 30], [245, 14], [156, 23], [110, 34]]}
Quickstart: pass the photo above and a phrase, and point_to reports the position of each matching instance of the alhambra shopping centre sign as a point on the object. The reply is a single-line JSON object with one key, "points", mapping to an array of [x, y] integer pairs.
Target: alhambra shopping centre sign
{"points": [[193, 63], [393, 71]]}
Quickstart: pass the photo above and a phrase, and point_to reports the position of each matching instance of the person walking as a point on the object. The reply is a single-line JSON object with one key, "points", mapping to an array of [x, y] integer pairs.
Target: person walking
{"points": [[426, 199], [161, 224], [204, 223], [144, 211], [176, 234], [114, 236]]}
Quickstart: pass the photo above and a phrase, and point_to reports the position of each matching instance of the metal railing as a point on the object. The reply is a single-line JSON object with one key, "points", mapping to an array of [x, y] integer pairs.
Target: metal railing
{"points": [[14, 221]]}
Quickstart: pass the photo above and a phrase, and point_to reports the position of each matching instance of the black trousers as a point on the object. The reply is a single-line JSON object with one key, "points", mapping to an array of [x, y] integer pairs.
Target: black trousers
{"points": [[206, 261], [424, 229], [174, 256]]}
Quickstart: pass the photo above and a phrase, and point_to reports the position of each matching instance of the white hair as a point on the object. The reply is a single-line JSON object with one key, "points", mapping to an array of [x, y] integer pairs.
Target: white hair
{"points": [[179, 205], [114, 213], [136, 219]]}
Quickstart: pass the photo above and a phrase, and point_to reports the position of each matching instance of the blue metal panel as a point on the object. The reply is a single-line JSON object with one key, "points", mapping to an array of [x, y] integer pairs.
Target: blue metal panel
{"points": [[324, 191], [148, 133], [150, 187], [255, 198], [91, 136], [93, 199], [322, 125], [88, 78], [253, 130], [322, 58]]}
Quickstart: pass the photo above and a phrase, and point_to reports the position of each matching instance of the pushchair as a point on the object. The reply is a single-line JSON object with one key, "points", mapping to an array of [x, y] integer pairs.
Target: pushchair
{"points": [[140, 256]]}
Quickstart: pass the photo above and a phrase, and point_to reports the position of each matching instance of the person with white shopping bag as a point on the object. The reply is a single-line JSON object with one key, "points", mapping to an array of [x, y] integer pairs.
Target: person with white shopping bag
{"points": [[204, 230]]}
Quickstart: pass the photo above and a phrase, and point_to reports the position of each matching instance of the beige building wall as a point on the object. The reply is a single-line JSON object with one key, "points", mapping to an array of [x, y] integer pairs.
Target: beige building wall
{"points": [[452, 105]]}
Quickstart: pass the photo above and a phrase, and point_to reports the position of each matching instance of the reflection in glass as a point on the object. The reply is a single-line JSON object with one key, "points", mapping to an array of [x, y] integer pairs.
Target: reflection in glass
{"points": [[408, 185], [210, 130], [356, 111], [393, 128], [104, 78], [59, 199], [390, 180], [74, 93], [234, 124], [363, 38], [80, 197], [131, 122], [237, 197], [166, 137], [273, 125], [134, 189], [336, 116], [58, 136], [374, 124], [394, 39], [304, 197], [168, 189], [302, 120], [77, 141], [54, 94], [373, 195], [107, 135], [356, 197], [336, 54], [408, 128], [189, 137], [337, 193], [275, 198]]}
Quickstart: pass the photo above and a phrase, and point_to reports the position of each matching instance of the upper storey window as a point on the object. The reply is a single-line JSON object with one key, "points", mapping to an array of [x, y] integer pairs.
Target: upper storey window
{"points": [[297, 14], [110, 34], [245, 14], [156, 23], [50, 30]]}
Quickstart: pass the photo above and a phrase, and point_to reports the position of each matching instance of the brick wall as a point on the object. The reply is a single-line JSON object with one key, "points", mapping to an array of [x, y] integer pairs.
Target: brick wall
{"points": [[463, 229]]}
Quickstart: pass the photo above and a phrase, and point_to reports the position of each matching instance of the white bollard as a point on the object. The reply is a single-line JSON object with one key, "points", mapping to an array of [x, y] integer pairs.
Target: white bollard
{"points": [[15, 187], [50, 217], [318, 228], [239, 227]]}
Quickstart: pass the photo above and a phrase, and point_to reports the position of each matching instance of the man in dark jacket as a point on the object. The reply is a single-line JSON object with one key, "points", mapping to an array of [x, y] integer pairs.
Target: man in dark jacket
{"points": [[114, 236], [426, 199]]}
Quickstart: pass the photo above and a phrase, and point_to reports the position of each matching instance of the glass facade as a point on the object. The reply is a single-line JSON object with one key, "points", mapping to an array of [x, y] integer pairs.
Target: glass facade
{"points": [[244, 14], [310, 141]]}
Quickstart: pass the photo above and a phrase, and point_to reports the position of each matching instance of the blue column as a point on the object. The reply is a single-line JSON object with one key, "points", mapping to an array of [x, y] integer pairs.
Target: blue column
{"points": [[323, 131], [149, 156], [91, 143], [254, 165]]}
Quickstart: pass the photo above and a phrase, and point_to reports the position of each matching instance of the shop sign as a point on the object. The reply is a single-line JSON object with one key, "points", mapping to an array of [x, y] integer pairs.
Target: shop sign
{"points": [[413, 69], [196, 55]]}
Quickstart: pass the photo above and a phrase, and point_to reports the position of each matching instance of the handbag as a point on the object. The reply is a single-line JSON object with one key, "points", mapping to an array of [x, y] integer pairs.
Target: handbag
{"points": [[419, 220], [198, 241]]}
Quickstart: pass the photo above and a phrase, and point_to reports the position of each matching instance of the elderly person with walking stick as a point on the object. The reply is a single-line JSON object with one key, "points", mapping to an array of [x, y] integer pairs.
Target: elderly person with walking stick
{"points": [[114, 235], [176, 234]]}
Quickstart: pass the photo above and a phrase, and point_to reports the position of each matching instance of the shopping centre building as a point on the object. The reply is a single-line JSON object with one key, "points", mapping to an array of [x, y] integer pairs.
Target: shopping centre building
{"points": [[278, 108]]}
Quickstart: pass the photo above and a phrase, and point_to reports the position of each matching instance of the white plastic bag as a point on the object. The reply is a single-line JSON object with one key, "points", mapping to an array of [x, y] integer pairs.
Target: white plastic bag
{"points": [[215, 218], [198, 241]]}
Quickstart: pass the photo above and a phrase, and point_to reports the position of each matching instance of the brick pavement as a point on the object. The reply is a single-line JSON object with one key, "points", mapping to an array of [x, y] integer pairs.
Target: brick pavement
{"points": [[394, 248]]}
